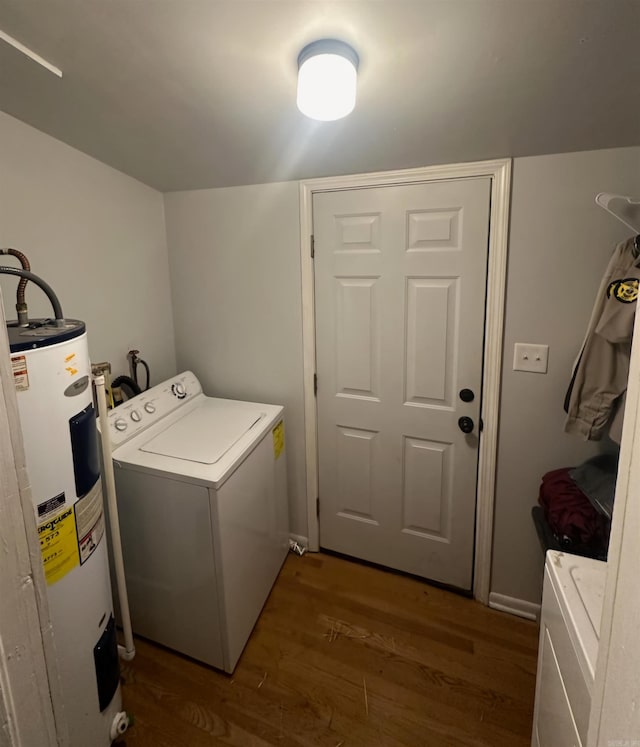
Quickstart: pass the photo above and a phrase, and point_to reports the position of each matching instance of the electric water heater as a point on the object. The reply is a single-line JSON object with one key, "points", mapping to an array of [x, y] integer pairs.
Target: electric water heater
{"points": [[52, 376]]}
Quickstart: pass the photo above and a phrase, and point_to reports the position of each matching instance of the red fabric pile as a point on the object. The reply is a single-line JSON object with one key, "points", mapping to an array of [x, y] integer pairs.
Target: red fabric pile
{"points": [[569, 512]]}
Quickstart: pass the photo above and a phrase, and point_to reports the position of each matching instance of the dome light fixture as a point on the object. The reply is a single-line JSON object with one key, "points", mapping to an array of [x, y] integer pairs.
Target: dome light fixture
{"points": [[327, 77]]}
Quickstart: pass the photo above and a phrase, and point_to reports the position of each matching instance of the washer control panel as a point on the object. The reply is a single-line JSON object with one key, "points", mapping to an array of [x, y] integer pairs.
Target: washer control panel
{"points": [[134, 415], [178, 390]]}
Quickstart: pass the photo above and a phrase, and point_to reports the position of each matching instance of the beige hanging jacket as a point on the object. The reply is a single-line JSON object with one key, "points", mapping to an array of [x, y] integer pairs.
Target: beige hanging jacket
{"points": [[599, 382]]}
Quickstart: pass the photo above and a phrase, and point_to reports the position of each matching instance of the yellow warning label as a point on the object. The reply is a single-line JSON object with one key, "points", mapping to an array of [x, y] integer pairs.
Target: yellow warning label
{"points": [[20, 372], [278, 439], [59, 545]]}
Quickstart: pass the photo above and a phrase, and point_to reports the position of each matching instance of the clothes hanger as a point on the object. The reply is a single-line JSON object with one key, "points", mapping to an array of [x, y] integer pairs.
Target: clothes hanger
{"points": [[622, 207]]}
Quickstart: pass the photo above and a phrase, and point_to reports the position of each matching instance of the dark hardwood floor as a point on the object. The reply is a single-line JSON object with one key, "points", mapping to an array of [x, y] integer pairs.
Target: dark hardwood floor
{"points": [[345, 655]]}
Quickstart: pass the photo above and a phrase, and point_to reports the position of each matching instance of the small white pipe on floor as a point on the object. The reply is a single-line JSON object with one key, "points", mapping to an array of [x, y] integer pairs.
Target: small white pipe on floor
{"points": [[128, 651]]}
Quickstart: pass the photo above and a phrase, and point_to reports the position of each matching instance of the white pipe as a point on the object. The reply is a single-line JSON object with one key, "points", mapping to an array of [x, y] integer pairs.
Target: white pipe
{"points": [[128, 651]]}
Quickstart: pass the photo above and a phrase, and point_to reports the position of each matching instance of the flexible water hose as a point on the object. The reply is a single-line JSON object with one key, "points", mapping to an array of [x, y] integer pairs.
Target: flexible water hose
{"points": [[134, 360], [146, 368], [21, 303], [126, 382], [57, 308]]}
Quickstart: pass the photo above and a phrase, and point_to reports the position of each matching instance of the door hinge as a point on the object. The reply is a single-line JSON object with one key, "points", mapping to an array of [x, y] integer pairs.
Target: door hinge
{"points": [[313, 246], [315, 384], [317, 506]]}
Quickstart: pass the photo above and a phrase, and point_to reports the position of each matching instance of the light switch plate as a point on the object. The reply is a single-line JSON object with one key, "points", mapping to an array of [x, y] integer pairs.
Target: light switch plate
{"points": [[529, 357]]}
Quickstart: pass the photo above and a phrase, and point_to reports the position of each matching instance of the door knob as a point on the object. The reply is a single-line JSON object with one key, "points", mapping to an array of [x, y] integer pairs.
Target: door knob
{"points": [[465, 424], [467, 395]]}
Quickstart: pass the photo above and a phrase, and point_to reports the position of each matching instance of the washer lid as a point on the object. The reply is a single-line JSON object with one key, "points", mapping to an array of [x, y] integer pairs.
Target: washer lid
{"points": [[579, 585], [589, 580], [205, 434]]}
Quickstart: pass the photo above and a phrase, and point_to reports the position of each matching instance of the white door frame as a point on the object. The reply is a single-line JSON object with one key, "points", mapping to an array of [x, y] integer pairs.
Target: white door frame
{"points": [[500, 173], [615, 718]]}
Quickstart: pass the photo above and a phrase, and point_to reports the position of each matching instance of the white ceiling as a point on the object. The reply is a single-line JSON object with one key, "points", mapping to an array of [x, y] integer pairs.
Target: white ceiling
{"points": [[186, 94]]}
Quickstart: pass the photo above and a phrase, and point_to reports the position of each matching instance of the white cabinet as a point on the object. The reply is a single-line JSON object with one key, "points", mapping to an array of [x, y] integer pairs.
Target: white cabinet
{"points": [[569, 633]]}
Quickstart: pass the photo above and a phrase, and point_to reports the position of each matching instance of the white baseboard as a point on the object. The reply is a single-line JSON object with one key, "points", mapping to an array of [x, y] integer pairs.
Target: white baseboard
{"points": [[513, 606]]}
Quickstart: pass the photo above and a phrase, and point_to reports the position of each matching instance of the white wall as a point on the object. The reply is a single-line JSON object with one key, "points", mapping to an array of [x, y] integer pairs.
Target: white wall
{"points": [[235, 276], [560, 243], [96, 236], [236, 295]]}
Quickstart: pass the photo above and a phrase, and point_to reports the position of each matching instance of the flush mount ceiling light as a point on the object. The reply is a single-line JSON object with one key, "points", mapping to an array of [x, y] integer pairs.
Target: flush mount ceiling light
{"points": [[327, 77]]}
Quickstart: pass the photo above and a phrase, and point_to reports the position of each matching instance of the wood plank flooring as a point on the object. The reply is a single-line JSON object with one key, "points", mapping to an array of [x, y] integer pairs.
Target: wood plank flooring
{"points": [[345, 655]]}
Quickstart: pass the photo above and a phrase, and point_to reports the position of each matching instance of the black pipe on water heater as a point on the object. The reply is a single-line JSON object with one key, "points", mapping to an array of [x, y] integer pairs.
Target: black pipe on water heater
{"points": [[57, 308]]}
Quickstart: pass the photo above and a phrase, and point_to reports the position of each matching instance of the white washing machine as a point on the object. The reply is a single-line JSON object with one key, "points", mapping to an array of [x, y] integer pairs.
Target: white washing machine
{"points": [[569, 638], [202, 499]]}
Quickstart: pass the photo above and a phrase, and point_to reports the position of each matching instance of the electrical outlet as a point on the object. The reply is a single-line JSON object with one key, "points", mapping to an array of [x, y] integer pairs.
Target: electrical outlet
{"points": [[529, 357]]}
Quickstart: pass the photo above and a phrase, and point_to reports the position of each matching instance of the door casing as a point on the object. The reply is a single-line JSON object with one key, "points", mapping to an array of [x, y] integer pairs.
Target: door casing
{"points": [[500, 173]]}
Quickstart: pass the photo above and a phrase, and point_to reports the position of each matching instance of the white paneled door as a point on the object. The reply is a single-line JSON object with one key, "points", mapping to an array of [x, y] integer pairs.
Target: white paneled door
{"points": [[400, 285]]}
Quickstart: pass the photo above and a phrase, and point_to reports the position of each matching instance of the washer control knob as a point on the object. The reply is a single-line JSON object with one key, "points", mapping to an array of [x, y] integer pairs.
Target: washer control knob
{"points": [[179, 390], [121, 424], [150, 407], [135, 416]]}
